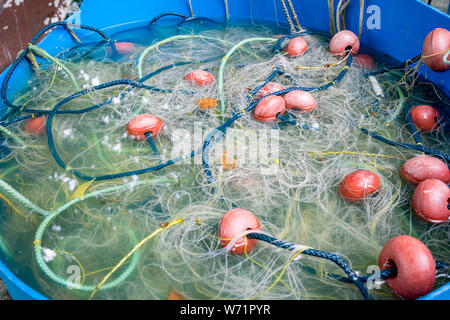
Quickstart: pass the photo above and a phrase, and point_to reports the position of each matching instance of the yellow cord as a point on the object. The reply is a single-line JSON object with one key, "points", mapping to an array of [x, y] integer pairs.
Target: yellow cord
{"points": [[352, 152], [325, 66], [46, 89], [140, 244], [265, 269], [282, 272], [12, 206]]}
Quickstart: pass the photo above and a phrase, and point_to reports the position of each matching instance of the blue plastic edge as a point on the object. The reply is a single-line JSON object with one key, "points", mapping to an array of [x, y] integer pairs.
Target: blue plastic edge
{"points": [[17, 289], [312, 14]]}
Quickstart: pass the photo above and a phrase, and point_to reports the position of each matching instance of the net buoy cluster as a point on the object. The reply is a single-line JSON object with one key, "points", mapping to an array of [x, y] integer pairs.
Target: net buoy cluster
{"points": [[431, 177], [412, 262]]}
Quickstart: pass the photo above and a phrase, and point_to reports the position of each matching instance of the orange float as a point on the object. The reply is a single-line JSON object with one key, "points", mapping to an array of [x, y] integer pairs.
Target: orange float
{"points": [[414, 264], [233, 223], [430, 201], [300, 100], [358, 185], [36, 125], [420, 168], [143, 123], [122, 47], [200, 77], [425, 117], [269, 88], [343, 41], [268, 108], [296, 47], [435, 46], [365, 61]]}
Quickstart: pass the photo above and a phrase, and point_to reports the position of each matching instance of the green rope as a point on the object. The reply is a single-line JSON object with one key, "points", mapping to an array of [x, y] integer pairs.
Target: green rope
{"points": [[13, 136], [44, 54], [179, 37], [32, 59], [49, 217], [222, 67], [6, 189], [45, 268], [4, 248]]}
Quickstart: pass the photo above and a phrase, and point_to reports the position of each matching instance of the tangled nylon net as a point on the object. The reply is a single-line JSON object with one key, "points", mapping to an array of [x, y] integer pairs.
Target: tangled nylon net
{"points": [[140, 236]]}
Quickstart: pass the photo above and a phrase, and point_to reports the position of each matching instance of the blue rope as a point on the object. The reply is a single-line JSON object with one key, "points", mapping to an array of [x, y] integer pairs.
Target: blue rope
{"points": [[352, 277], [277, 48], [419, 147], [397, 67], [55, 110], [96, 44], [67, 26], [414, 130], [165, 14], [211, 138], [143, 79], [319, 254], [289, 120], [22, 55], [193, 19], [107, 84], [152, 144]]}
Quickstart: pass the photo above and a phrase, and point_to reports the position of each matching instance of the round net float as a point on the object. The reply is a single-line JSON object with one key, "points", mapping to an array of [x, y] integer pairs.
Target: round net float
{"points": [[296, 47], [414, 264], [200, 77], [342, 41], [175, 295], [358, 185], [430, 201], [425, 117], [435, 46], [36, 125], [420, 168], [233, 223], [300, 100], [269, 88], [143, 123], [365, 61], [122, 47], [268, 108]]}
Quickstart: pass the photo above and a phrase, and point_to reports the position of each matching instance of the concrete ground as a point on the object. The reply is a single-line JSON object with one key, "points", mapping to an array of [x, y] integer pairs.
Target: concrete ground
{"points": [[4, 292], [439, 4]]}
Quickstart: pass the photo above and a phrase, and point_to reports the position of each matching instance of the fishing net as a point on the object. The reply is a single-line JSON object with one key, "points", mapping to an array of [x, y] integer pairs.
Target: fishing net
{"points": [[88, 212]]}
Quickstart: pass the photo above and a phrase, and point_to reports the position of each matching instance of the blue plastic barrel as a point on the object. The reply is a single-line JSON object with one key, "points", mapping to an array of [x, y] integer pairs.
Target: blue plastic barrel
{"points": [[394, 29]]}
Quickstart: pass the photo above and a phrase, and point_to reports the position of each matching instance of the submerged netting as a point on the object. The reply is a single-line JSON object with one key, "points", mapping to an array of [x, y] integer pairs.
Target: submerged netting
{"points": [[88, 212]]}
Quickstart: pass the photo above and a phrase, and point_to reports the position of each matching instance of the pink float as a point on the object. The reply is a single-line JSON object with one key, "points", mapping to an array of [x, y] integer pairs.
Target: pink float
{"points": [[342, 41]]}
